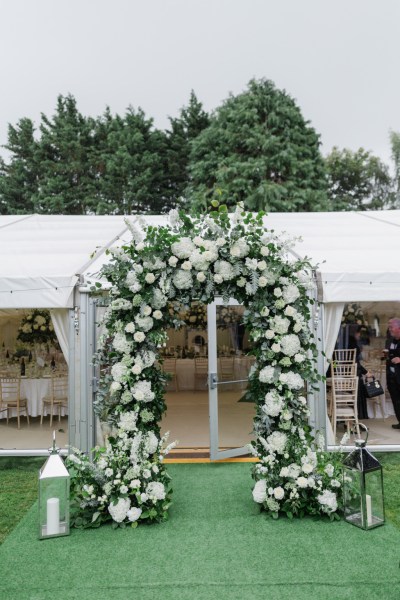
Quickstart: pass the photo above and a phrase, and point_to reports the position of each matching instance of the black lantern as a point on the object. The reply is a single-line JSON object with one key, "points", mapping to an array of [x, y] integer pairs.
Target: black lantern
{"points": [[363, 499], [54, 481]]}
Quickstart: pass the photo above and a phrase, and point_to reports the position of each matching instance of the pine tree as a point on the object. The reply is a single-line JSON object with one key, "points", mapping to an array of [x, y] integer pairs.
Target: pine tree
{"points": [[19, 177], [259, 149], [191, 122], [68, 183]]}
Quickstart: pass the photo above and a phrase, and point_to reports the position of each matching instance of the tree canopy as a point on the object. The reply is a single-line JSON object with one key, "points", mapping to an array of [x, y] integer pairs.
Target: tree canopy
{"points": [[259, 149]]}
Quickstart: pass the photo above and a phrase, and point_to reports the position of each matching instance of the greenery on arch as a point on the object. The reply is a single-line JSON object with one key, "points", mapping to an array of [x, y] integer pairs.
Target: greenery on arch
{"points": [[221, 254]]}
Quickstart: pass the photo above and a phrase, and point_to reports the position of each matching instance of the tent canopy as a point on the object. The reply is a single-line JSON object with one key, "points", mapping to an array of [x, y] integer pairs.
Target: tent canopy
{"points": [[42, 257]]}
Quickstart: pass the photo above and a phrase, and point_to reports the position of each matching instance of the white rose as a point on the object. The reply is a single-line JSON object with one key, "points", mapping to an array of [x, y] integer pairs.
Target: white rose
{"points": [[147, 311], [139, 336], [264, 251], [201, 277], [136, 369], [218, 278], [269, 334], [130, 327], [275, 347], [307, 468], [157, 314], [187, 265], [302, 482], [140, 246], [279, 493], [277, 292], [261, 265], [264, 311], [172, 261], [262, 282], [150, 278], [241, 282]]}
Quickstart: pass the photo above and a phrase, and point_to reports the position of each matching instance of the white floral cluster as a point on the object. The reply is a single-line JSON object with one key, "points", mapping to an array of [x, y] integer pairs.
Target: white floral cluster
{"points": [[200, 258]]}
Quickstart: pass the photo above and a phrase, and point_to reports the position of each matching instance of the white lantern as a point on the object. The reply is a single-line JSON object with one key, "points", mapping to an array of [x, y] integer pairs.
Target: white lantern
{"points": [[54, 482]]}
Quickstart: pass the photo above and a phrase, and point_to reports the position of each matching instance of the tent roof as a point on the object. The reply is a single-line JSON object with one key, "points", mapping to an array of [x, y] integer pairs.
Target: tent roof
{"points": [[42, 256]]}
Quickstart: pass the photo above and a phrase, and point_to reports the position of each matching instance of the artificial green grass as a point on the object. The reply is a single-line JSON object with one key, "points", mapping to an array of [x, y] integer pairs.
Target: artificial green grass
{"points": [[216, 545], [18, 490]]}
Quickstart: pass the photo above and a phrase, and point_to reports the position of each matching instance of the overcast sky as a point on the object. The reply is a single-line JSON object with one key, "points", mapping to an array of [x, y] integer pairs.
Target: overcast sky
{"points": [[338, 58]]}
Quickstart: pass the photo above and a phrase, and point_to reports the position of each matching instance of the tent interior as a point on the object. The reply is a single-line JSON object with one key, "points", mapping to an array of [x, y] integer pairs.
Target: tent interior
{"points": [[46, 262]]}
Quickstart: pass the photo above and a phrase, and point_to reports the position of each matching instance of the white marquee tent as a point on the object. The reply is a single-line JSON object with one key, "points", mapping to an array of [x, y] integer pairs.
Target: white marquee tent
{"points": [[46, 261]]}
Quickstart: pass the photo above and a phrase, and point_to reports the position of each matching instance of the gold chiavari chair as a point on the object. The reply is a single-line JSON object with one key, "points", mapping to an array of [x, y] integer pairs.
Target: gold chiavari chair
{"points": [[10, 398]]}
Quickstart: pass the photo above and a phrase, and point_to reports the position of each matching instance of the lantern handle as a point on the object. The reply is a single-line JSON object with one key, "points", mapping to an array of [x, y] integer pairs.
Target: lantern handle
{"points": [[367, 432]]}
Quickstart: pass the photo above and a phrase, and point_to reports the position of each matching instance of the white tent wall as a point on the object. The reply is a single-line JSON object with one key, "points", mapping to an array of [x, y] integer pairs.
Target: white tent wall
{"points": [[46, 259]]}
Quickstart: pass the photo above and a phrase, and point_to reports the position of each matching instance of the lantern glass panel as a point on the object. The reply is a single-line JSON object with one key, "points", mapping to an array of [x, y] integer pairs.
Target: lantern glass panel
{"points": [[53, 507], [374, 498], [363, 498]]}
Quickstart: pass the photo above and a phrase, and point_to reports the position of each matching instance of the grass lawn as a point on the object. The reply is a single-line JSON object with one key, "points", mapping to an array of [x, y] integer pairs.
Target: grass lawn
{"points": [[19, 488]]}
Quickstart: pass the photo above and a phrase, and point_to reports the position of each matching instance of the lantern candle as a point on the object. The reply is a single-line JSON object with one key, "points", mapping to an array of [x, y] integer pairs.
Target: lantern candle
{"points": [[53, 516]]}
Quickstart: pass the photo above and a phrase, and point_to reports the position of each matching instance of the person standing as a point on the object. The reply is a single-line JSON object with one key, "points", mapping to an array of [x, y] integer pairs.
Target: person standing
{"points": [[354, 341], [393, 368]]}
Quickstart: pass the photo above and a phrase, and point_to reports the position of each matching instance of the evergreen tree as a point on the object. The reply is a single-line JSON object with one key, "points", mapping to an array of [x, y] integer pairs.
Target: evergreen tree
{"points": [[191, 122], [130, 162], [19, 178], [259, 149], [68, 183], [358, 181]]}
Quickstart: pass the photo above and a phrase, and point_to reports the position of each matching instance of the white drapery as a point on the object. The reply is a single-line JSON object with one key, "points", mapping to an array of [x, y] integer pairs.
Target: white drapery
{"points": [[59, 317], [333, 312]]}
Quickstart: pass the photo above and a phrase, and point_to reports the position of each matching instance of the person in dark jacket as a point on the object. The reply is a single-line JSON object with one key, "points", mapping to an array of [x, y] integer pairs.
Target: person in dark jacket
{"points": [[393, 368], [361, 371]]}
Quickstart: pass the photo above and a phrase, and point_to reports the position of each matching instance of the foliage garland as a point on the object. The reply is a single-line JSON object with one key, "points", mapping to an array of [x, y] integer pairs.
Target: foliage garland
{"points": [[228, 255]]}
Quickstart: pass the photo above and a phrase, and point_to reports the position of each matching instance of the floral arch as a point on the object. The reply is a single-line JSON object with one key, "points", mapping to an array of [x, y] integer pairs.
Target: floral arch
{"points": [[221, 254]]}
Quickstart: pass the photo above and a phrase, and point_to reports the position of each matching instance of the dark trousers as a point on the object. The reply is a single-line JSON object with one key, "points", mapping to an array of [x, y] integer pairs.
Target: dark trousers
{"points": [[394, 391]]}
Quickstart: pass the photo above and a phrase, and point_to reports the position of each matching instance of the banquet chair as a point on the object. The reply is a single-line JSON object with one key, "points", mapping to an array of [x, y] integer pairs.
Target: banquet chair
{"points": [[226, 369], [10, 398], [344, 369], [58, 397], [343, 355], [344, 402], [200, 373], [169, 367]]}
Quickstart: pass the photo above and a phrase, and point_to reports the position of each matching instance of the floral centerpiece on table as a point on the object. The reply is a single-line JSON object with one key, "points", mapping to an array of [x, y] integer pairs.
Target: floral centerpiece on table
{"points": [[353, 315], [230, 256], [195, 317], [227, 315], [37, 328]]}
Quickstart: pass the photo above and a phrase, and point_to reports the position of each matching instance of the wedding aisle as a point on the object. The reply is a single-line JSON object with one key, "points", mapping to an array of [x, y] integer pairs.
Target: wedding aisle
{"points": [[216, 545]]}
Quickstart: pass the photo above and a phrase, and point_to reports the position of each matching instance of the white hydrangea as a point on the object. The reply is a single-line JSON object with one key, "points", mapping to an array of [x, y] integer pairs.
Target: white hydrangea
{"points": [[119, 372], [267, 374], [127, 421], [182, 280], [280, 324], [251, 264], [290, 344], [119, 510], [273, 404], [328, 501], [141, 391], [239, 249], [260, 491], [183, 248], [145, 323], [159, 299], [156, 490], [225, 269], [148, 358], [273, 505], [290, 293], [299, 358], [292, 380], [198, 260], [277, 441], [115, 387], [126, 397], [241, 282], [121, 344], [134, 514], [294, 471], [218, 278]]}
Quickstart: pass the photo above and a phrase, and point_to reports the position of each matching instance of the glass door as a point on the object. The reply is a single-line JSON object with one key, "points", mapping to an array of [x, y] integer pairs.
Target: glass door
{"points": [[231, 415]]}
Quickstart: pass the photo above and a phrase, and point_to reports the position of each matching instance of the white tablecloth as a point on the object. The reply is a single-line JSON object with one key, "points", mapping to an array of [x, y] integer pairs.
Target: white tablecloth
{"points": [[34, 390]]}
